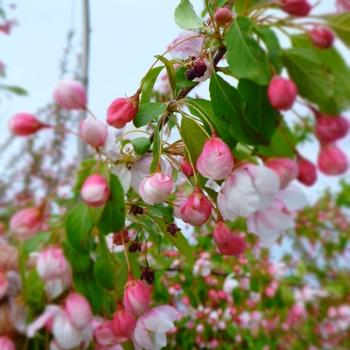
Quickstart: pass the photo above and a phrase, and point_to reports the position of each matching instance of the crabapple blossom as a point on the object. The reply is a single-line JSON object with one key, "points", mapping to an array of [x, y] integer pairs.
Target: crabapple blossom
{"points": [[296, 7], [235, 247], [187, 44], [95, 191], [200, 70], [196, 209], [332, 161], [70, 94], [78, 311], [123, 324], [137, 297], [4, 284], [151, 328], [122, 110], [248, 189], [329, 129], [282, 93], [25, 124], [216, 160], [27, 222], [104, 334], [51, 264], [307, 172], [268, 222], [321, 37], [286, 169], [93, 132], [222, 15], [187, 168], [156, 188], [343, 5], [6, 343]]}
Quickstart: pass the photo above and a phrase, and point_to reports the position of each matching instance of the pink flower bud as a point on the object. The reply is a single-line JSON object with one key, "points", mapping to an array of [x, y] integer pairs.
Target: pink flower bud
{"points": [[329, 129], [235, 248], [93, 132], [137, 297], [123, 324], [282, 93], [6, 343], [104, 334], [343, 5], [95, 191], [70, 94], [296, 7], [222, 15], [222, 234], [25, 124], [186, 168], [122, 111], [155, 188], [78, 311], [51, 264], [307, 172], [287, 170], [332, 161], [196, 210], [321, 37], [27, 222], [4, 285], [216, 160]]}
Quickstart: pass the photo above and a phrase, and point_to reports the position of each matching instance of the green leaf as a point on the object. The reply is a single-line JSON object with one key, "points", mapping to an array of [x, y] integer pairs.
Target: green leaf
{"points": [[147, 112], [78, 227], [340, 24], [35, 296], [228, 105], [273, 47], [83, 172], [79, 262], [258, 111], [186, 18], [244, 55], [282, 144], [148, 84], [193, 137], [181, 79], [113, 216], [170, 71], [180, 242], [85, 284], [103, 268], [161, 210], [203, 109], [314, 80], [141, 145], [14, 89], [243, 5]]}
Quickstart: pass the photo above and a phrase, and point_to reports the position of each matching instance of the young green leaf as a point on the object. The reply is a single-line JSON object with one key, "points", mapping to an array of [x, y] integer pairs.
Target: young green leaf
{"points": [[148, 85], [83, 172], [186, 18], [340, 24], [147, 112], [141, 145], [170, 71]]}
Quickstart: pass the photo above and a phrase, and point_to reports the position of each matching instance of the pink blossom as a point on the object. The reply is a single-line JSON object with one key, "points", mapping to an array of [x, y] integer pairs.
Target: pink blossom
{"points": [[332, 161], [123, 324], [199, 71], [7, 26], [282, 93], [151, 328], [104, 334], [156, 188], [93, 132], [268, 222], [202, 267], [222, 15], [285, 168], [196, 210], [187, 44], [296, 7], [137, 297], [95, 191], [307, 172], [230, 284], [70, 94], [187, 168], [277, 270], [52, 264], [216, 160], [321, 37], [343, 5], [121, 111], [6, 343], [78, 311], [25, 124], [331, 128], [248, 189], [27, 222]]}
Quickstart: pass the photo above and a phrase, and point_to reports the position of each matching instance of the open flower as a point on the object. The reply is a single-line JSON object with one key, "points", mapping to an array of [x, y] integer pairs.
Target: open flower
{"points": [[151, 328]]}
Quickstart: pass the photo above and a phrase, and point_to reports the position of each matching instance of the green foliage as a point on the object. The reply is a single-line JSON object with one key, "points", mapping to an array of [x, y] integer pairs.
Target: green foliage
{"points": [[35, 296], [170, 72], [186, 18], [141, 145], [83, 172], [148, 84], [147, 112], [340, 24]]}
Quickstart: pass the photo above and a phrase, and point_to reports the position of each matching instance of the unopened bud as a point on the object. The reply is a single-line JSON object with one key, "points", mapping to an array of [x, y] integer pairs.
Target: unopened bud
{"points": [[104, 334], [95, 191], [321, 37], [222, 15], [299, 8], [282, 93], [187, 168], [78, 311], [332, 161], [51, 264], [93, 132], [123, 324], [70, 94], [25, 124], [329, 129], [137, 297], [156, 188], [122, 111], [286, 169], [307, 172], [235, 248]]}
